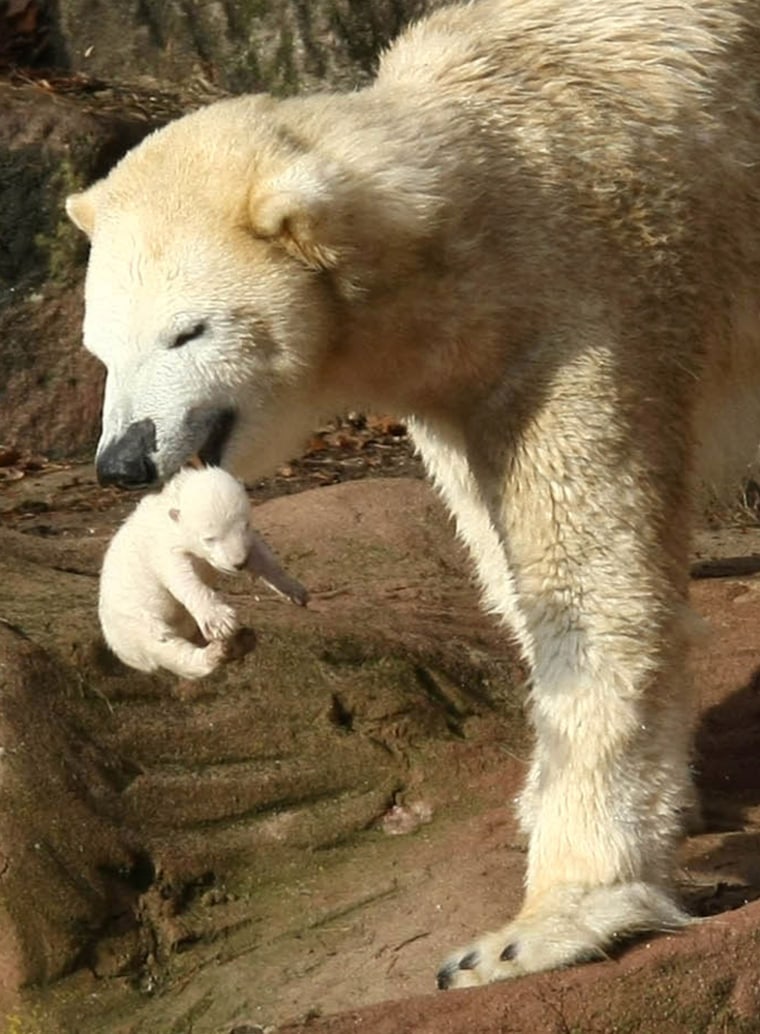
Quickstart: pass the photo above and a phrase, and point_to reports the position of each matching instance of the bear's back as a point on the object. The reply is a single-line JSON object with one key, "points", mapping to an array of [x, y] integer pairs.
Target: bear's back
{"points": [[630, 48]]}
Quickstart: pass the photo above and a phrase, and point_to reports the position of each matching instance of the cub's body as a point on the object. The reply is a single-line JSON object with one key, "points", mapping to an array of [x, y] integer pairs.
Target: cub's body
{"points": [[157, 606]]}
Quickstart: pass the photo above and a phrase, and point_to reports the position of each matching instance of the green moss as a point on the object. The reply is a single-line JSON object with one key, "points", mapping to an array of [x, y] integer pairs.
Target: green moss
{"points": [[284, 68], [40, 243], [25, 1021], [61, 245]]}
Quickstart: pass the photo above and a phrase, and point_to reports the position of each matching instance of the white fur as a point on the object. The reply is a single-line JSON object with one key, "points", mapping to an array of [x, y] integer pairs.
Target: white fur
{"points": [[538, 234], [155, 593]]}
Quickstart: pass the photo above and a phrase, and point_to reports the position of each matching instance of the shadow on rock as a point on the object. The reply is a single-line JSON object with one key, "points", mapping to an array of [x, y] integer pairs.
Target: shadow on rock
{"points": [[148, 825]]}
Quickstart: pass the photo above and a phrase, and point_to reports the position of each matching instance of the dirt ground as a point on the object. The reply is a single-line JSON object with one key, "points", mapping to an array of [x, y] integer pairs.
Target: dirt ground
{"points": [[295, 844]]}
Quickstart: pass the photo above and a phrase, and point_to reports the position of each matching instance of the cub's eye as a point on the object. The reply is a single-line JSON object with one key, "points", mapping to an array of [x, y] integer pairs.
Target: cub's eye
{"points": [[209, 540], [189, 335]]}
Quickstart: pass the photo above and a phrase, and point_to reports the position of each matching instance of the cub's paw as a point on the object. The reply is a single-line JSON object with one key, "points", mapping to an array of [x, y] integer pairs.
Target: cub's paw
{"points": [[220, 624], [214, 654], [566, 925]]}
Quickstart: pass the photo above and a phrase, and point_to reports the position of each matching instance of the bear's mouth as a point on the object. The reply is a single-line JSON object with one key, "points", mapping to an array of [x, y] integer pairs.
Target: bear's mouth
{"points": [[217, 434]]}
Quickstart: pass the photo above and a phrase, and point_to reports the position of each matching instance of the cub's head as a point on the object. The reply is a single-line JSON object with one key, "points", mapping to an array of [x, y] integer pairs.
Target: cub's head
{"points": [[213, 512], [208, 294]]}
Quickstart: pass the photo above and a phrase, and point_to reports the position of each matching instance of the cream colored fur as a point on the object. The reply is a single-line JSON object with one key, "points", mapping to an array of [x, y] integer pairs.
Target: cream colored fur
{"points": [[538, 234], [157, 603]]}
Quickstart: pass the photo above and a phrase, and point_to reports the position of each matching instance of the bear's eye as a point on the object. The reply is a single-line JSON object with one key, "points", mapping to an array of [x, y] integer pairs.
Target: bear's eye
{"points": [[189, 335], [209, 540]]}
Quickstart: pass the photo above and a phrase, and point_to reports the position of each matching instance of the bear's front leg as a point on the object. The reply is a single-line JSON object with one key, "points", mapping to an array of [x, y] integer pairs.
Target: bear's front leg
{"points": [[597, 557], [603, 811], [216, 620]]}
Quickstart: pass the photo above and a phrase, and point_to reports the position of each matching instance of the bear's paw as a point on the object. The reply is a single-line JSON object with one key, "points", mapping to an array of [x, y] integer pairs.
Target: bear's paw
{"points": [[566, 925]]}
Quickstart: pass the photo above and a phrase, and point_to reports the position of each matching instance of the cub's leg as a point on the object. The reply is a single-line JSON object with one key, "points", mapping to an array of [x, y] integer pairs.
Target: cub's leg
{"points": [[264, 564], [215, 618], [589, 517], [184, 659]]}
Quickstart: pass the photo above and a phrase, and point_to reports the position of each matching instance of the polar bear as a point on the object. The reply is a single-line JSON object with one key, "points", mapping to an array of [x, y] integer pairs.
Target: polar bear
{"points": [[537, 234], [155, 593]]}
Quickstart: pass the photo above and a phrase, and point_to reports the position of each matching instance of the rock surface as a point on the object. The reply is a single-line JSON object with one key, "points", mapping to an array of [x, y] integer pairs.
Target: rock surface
{"points": [[284, 46], [220, 856]]}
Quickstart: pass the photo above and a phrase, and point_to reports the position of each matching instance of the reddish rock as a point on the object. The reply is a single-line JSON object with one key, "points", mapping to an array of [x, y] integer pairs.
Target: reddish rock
{"points": [[242, 822]]}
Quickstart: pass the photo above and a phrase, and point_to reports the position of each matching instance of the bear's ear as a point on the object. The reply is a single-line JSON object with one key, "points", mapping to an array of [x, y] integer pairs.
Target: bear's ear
{"points": [[80, 208], [174, 514], [294, 208]]}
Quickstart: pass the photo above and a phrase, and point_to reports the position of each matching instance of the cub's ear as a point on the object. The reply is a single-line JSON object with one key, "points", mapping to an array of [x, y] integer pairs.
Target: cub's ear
{"points": [[296, 208], [174, 514], [80, 208]]}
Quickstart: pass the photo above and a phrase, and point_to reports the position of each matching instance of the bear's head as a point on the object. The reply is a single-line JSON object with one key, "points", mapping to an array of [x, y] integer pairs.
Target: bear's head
{"points": [[213, 512], [211, 293]]}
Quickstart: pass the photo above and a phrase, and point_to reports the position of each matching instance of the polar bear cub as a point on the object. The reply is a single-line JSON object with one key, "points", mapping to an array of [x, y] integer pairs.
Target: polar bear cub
{"points": [[156, 601]]}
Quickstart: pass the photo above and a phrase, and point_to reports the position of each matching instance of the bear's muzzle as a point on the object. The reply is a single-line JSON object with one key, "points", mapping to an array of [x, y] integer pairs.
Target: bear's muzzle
{"points": [[126, 461]]}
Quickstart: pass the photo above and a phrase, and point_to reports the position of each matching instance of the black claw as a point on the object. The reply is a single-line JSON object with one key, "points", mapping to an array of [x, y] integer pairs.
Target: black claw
{"points": [[443, 980], [470, 960], [509, 953], [445, 977]]}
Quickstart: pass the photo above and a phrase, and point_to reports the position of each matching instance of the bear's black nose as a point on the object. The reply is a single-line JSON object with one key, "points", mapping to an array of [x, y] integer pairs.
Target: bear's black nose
{"points": [[126, 461]]}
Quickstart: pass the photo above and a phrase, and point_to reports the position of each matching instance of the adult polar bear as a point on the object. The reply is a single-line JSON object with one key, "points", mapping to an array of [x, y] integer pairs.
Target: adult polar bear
{"points": [[537, 233]]}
